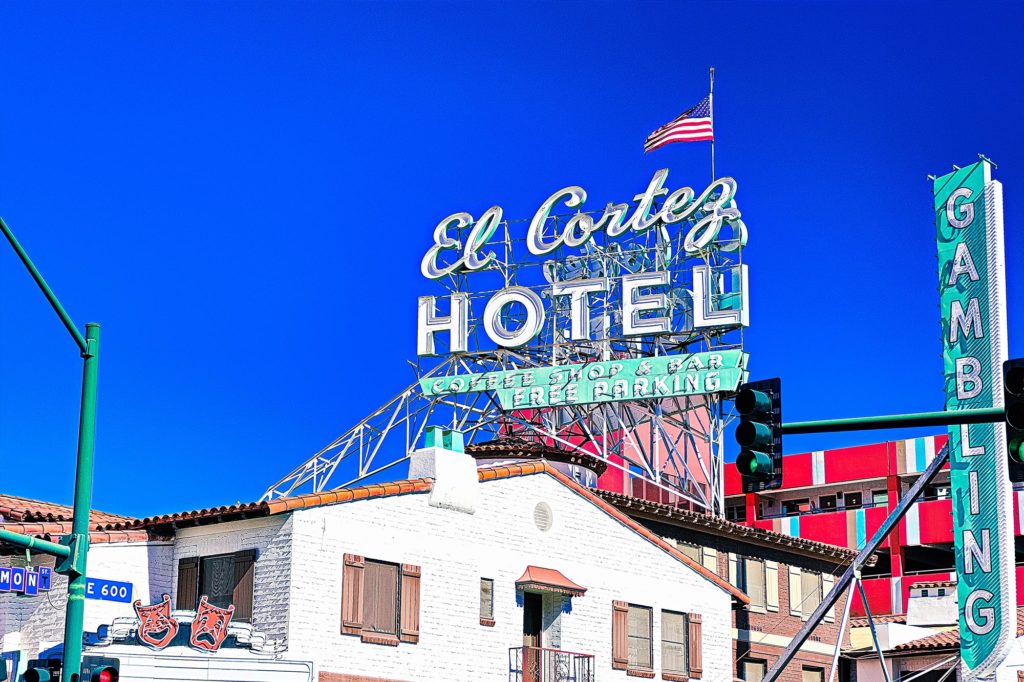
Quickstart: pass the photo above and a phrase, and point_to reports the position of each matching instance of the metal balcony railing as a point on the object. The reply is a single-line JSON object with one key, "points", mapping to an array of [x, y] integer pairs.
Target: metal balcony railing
{"points": [[536, 664]]}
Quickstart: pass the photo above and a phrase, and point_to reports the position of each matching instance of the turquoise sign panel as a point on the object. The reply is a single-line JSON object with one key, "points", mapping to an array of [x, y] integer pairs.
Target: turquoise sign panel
{"points": [[968, 217], [609, 381]]}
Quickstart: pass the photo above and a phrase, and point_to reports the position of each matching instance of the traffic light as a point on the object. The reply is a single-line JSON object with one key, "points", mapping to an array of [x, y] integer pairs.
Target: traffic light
{"points": [[759, 434], [43, 670], [100, 669], [1013, 402]]}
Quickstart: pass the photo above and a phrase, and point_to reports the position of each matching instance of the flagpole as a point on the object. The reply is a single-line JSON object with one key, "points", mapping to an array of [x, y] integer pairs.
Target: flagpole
{"points": [[711, 107]]}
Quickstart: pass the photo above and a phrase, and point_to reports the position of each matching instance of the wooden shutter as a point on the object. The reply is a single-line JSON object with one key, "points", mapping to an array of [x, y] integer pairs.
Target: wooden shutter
{"points": [[620, 635], [188, 584], [827, 581], [352, 595], [795, 601], [410, 598], [241, 596], [771, 584], [696, 644]]}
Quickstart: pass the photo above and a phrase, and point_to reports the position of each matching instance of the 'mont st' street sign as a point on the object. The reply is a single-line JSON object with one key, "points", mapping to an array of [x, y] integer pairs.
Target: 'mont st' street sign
{"points": [[969, 221]]}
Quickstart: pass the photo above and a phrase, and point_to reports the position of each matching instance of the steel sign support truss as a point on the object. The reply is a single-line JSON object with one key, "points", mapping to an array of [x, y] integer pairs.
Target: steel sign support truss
{"points": [[668, 457]]}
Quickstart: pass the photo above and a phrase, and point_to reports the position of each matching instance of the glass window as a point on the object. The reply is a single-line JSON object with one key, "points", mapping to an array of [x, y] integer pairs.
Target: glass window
{"points": [[753, 671], [692, 551], [640, 653], [879, 498], [486, 598], [810, 591], [942, 592], [827, 502], [853, 500], [813, 674], [737, 513], [380, 598], [673, 642], [217, 579], [753, 571], [709, 557]]}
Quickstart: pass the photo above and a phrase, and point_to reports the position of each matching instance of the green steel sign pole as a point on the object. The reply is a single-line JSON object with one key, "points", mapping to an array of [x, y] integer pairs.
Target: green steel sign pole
{"points": [[73, 549]]}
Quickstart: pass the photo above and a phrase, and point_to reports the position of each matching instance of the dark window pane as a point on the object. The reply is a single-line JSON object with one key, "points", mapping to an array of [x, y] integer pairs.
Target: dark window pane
{"points": [[217, 579]]}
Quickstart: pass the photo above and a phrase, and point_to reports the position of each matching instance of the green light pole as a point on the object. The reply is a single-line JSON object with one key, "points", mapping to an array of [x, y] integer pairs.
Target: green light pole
{"points": [[73, 549]]}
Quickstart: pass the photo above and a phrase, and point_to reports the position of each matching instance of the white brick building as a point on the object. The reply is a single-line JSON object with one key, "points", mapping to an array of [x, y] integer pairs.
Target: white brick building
{"points": [[430, 577]]}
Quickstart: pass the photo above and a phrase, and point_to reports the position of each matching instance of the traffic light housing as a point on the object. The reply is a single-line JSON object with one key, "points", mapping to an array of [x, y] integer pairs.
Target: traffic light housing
{"points": [[1013, 403], [43, 670], [759, 435], [100, 669]]}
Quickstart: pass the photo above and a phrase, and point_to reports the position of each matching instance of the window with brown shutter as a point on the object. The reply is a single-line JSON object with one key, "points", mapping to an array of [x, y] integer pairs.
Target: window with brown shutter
{"points": [[241, 597], [352, 595], [410, 599], [380, 602], [620, 635], [696, 643], [673, 646], [187, 596], [641, 654]]}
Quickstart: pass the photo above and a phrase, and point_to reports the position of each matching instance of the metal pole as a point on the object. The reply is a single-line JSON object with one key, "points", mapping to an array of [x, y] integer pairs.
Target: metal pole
{"points": [[979, 415], [711, 110], [839, 640], [862, 557], [871, 626], [54, 303], [73, 549], [73, 624]]}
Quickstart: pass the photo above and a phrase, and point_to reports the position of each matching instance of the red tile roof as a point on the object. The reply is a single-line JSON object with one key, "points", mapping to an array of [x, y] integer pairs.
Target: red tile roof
{"points": [[949, 639], [521, 448], [49, 521], [421, 485], [23, 509], [863, 622], [719, 526], [549, 579]]}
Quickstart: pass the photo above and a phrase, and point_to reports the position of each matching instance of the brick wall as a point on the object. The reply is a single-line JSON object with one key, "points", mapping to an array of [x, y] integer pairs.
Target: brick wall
{"points": [[272, 540], [498, 541]]}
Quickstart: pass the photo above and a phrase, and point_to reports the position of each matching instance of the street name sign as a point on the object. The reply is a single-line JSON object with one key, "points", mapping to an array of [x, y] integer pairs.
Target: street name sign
{"points": [[972, 288], [108, 590]]}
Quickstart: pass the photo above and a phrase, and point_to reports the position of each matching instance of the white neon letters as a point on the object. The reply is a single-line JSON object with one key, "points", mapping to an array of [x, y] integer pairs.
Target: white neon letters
{"points": [[712, 211]]}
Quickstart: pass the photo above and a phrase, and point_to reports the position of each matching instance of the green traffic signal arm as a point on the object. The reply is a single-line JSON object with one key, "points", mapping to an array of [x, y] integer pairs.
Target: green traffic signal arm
{"points": [[29, 542], [979, 415]]}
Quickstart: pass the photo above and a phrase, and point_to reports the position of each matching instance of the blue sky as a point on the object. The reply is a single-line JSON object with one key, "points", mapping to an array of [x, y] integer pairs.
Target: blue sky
{"points": [[221, 185]]}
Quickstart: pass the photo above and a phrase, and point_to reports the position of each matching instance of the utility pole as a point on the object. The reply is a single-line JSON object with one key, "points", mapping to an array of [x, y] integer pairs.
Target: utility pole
{"points": [[73, 549]]}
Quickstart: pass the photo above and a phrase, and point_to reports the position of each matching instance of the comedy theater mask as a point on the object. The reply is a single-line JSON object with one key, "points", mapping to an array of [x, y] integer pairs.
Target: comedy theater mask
{"points": [[210, 626], [156, 627]]}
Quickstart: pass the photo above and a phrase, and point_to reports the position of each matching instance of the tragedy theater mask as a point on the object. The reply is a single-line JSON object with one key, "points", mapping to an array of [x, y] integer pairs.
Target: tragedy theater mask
{"points": [[156, 627], [210, 626]]}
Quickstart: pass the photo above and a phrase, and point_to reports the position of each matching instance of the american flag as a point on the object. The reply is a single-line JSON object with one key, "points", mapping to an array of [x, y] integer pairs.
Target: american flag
{"points": [[693, 125]]}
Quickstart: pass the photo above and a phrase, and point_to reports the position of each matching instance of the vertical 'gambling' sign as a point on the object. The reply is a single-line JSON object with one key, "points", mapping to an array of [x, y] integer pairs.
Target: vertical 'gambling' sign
{"points": [[969, 220]]}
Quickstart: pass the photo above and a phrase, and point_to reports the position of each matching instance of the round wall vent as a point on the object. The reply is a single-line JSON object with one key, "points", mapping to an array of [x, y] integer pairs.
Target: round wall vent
{"points": [[542, 515]]}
